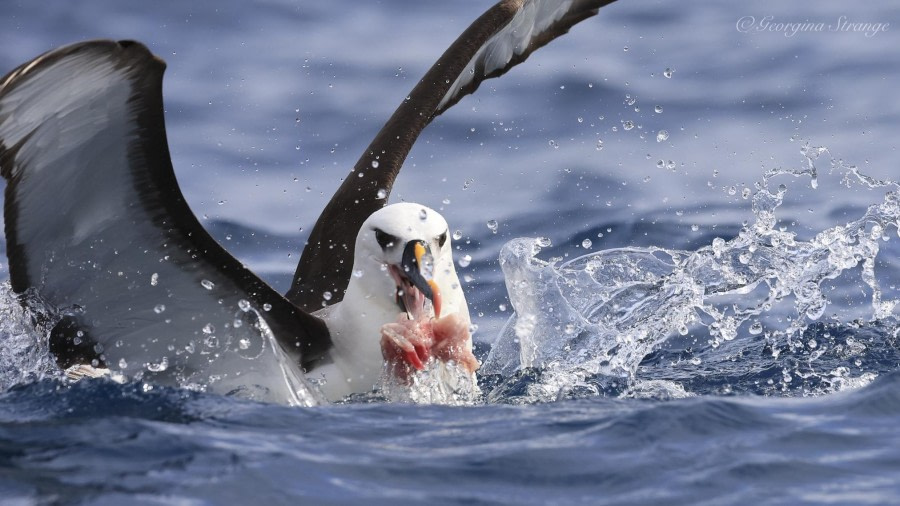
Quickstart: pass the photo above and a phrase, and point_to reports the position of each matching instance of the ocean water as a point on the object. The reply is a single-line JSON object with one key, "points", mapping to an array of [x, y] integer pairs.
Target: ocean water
{"points": [[696, 229]]}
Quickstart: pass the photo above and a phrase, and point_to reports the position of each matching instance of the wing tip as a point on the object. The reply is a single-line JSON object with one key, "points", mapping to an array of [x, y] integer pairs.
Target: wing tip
{"points": [[127, 52]]}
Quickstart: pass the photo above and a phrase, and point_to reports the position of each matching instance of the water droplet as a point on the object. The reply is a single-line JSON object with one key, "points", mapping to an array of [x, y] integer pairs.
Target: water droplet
{"points": [[695, 227], [267, 307], [628, 125], [159, 308], [696, 361], [580, 119], [468, 278], [374, 164], [381, 194], [122, 363], [553, 144], [492, 224], [457, 235], [502, 307], [756, 328], [209, 328], [465, 260], [244, 343], [668, 72], [244, 305], [543, 242], [358, 273], [209, 285], [162, 365], [570, 328], [586, 243], [326, 295], [662, 136], [718, 246], [154, 279], [599, 144], [658, 109], [423, 215]]}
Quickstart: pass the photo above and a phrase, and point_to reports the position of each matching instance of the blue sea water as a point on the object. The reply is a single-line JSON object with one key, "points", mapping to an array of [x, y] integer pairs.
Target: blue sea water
{"points": [[269, 104]]}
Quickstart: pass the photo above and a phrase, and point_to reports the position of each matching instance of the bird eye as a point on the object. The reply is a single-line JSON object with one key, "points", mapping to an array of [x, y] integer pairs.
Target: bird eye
{"points": [[385, 240], [442, 239]]}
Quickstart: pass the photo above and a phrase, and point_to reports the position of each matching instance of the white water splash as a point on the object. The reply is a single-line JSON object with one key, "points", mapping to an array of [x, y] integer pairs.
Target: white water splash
{"points": [[250, 365], [24, 353], [439, 383], [602, 313]]}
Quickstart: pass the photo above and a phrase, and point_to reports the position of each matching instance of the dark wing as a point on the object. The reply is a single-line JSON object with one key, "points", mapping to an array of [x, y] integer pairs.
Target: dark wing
{"points": [[534, 24], [96, 223], [498, 40]]}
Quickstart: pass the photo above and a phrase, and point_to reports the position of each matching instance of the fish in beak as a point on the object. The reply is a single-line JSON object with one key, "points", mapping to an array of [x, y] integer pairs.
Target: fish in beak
{"points": [[415, 282]]}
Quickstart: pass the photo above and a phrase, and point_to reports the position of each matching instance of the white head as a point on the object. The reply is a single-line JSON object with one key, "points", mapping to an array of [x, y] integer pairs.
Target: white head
{"points": [[403, 259]]}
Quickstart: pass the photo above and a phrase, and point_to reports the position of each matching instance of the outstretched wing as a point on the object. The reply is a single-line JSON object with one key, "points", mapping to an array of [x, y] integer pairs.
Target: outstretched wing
{"points": [[532, 25], [95, 222], [498, 40]]}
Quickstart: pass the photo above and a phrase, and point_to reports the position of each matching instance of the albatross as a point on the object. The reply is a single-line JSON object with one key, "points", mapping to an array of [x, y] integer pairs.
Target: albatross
{"points": [[99, 232]]}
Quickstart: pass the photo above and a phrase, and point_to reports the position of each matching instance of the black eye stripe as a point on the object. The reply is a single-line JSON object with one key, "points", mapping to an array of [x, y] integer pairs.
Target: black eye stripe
{"points": [[385, 240]]}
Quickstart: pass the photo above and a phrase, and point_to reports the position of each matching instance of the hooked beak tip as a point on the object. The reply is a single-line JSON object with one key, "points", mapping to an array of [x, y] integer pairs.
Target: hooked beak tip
{"points": [[436, 298]]}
